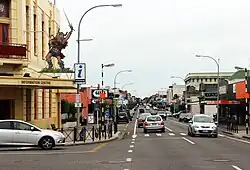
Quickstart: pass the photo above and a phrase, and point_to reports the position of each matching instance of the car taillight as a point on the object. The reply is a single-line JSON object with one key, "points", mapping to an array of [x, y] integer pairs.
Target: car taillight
{"points": [[145, 124], [162, 123]]}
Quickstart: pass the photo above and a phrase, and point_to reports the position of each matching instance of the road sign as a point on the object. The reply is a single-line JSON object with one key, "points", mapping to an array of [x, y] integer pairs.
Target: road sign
{"points": [[78, 98], [96, 93], [78, 105], [80, 73]]}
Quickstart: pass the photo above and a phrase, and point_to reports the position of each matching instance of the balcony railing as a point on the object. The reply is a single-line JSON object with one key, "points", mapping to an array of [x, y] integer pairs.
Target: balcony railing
{"points": [[13, 51]]}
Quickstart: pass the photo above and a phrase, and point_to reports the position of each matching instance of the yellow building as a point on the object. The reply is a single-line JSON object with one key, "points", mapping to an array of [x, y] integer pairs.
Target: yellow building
{"points": [[26, 94]]}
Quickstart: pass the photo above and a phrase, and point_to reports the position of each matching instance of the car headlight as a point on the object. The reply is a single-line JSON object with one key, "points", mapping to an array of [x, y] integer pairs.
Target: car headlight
{"points": [[195, 127]]}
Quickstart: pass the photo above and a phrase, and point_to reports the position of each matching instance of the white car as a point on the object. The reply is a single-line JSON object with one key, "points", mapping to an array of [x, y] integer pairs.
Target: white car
{"points": [[202, 125], [153, 122], [20, 133]]}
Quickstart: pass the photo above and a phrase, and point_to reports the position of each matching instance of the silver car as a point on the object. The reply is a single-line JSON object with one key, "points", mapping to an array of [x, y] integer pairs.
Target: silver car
{"points": [[202, 125], [20, 133], [153, 122]]}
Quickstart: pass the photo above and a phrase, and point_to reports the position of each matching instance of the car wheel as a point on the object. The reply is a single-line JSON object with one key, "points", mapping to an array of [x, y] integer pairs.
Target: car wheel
{"points": [[215, 136], [145, 130], [189, 134], [46, 143]]}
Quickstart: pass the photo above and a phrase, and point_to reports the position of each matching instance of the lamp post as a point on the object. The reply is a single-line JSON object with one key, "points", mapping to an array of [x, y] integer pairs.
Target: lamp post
{"points": [[78, 47], [102, 108], [246, 97], [218, 82], [177, 77], [126, 85], [115, 111]]}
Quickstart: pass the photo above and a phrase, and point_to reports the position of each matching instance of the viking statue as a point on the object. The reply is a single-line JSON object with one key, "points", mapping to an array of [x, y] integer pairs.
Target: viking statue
{"points": [[56, 45]]}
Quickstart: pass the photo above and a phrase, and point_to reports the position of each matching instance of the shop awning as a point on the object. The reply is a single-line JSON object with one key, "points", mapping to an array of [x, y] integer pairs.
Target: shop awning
{"points": [[44, 83]]}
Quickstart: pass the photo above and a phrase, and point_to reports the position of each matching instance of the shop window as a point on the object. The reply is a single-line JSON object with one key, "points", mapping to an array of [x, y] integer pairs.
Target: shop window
{"points": [[4, 33], [4, 8], [35, 34], [43, 103]]}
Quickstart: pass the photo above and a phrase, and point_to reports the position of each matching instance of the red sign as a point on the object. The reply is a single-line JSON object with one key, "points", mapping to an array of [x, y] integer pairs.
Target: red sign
{"points": [[102, 95]]}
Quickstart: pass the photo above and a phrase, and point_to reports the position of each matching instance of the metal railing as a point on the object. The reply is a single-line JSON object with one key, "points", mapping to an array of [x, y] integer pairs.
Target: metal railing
{"points": [[88, 134]]}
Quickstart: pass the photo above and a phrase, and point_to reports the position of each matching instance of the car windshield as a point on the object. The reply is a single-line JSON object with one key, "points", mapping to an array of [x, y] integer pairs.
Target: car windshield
{"points": [[153, 118], [203, 119], [143, 116], [122, 114], [161, 112]]}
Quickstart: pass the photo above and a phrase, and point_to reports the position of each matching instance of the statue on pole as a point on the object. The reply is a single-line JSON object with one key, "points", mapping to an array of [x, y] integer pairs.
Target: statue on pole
{"points": [[57, 44]]}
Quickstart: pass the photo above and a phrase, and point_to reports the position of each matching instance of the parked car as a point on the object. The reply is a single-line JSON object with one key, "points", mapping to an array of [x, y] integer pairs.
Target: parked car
{"points": [[123, 117], [162, 114], [202, 125], [182, 116], [169, 114], [142, 118], [153, 122], [188, 117], [20, 133]]}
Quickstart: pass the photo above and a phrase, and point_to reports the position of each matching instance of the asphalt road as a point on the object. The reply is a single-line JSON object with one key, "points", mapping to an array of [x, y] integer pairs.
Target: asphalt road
{"points": [[173, 150]]}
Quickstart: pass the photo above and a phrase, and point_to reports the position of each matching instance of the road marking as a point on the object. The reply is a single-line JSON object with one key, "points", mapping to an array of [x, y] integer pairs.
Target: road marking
{"points": [[146, 134], [183, 134], [126, 125], [221, 135], [168, 129], [43, 153], [129, 159], [133, 139], [135, 126], [98, 147], [239, 140], [191, 142], [132, 142], [131, 146], [126, 169], [158, 134], [171, 134], [221, 160], [130, 151], [236, 167]]}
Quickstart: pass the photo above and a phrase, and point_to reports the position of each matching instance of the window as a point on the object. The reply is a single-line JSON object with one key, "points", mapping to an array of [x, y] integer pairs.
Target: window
{"points": [[35, 34], [43, 42], [5, 125], [27, 28], [153, 119], [35, 103], [43, 103], [203, 119], [4, 33], [4, 8], [21, 126]]}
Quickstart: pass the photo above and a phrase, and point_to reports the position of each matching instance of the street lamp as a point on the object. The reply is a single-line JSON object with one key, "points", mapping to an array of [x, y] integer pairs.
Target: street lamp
{"points": [[177, 77], [78, 47], [218, 82], [246, 97], [126, 85], [114, 103]]}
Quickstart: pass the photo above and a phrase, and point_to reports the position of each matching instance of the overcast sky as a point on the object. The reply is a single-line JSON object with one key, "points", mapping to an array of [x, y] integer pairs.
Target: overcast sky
{"points": [[158, 39]]}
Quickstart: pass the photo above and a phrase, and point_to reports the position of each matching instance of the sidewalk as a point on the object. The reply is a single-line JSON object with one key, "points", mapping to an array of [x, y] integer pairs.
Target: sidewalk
{"points": [[241, 132]]}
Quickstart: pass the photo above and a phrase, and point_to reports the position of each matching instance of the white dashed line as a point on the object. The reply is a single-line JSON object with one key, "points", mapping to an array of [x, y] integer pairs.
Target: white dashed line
{"points": [[158, 134], [171, 134], [135, 126], [126, 169], [131, 146], [132, 142], [236, 167], [146, 134], [183, 134], [133, 139], [130, 151], [170, 130], [129, 160], [189, 141]]}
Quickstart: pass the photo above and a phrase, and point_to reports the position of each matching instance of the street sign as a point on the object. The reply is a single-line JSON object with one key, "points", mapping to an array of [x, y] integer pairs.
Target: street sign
{"points": [[80, 73], [78, 105], [96, 93], [78, 99]]}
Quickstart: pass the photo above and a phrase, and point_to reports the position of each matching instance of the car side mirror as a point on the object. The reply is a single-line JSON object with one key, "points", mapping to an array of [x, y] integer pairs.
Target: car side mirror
{"points": [[190, 121]]}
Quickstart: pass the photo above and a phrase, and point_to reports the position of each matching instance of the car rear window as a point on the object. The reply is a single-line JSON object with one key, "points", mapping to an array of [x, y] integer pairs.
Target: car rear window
{"points": [[154, 118], [122, 114]]}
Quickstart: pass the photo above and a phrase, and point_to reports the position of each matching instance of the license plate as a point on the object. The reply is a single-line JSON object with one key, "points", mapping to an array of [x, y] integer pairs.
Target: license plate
{"points": [[205, 131], [121, 116], [154, 124]]}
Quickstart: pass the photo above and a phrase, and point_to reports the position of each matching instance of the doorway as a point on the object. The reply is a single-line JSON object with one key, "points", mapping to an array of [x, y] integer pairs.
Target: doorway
{"points": [[5, 109]]}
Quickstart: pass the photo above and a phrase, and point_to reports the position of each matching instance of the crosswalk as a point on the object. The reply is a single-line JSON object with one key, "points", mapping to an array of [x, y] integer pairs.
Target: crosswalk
{"points": [[164, 134]]}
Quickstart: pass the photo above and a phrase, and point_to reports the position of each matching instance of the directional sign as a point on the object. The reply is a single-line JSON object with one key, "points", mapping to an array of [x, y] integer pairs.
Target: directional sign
{"points": [[80, 73]]}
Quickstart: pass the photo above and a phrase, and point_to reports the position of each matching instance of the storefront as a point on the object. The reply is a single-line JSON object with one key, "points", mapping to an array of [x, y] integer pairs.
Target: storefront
{"points": [[34, 100]]}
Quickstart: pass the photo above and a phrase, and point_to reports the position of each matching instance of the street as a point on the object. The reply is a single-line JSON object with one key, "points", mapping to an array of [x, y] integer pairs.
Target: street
{"points": [[170, 150]]}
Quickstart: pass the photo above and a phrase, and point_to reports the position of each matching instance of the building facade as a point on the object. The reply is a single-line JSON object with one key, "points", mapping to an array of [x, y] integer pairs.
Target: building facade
{"points": [[25, 92]]}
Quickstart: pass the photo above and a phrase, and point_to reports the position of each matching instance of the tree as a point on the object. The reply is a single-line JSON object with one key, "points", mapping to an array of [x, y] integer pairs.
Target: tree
{"points": [[64, 106], [72, 109]]}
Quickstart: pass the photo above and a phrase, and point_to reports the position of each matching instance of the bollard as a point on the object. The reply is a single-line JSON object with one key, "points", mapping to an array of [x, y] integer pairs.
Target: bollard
{"points": [[75, 134], [93, 133]]}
